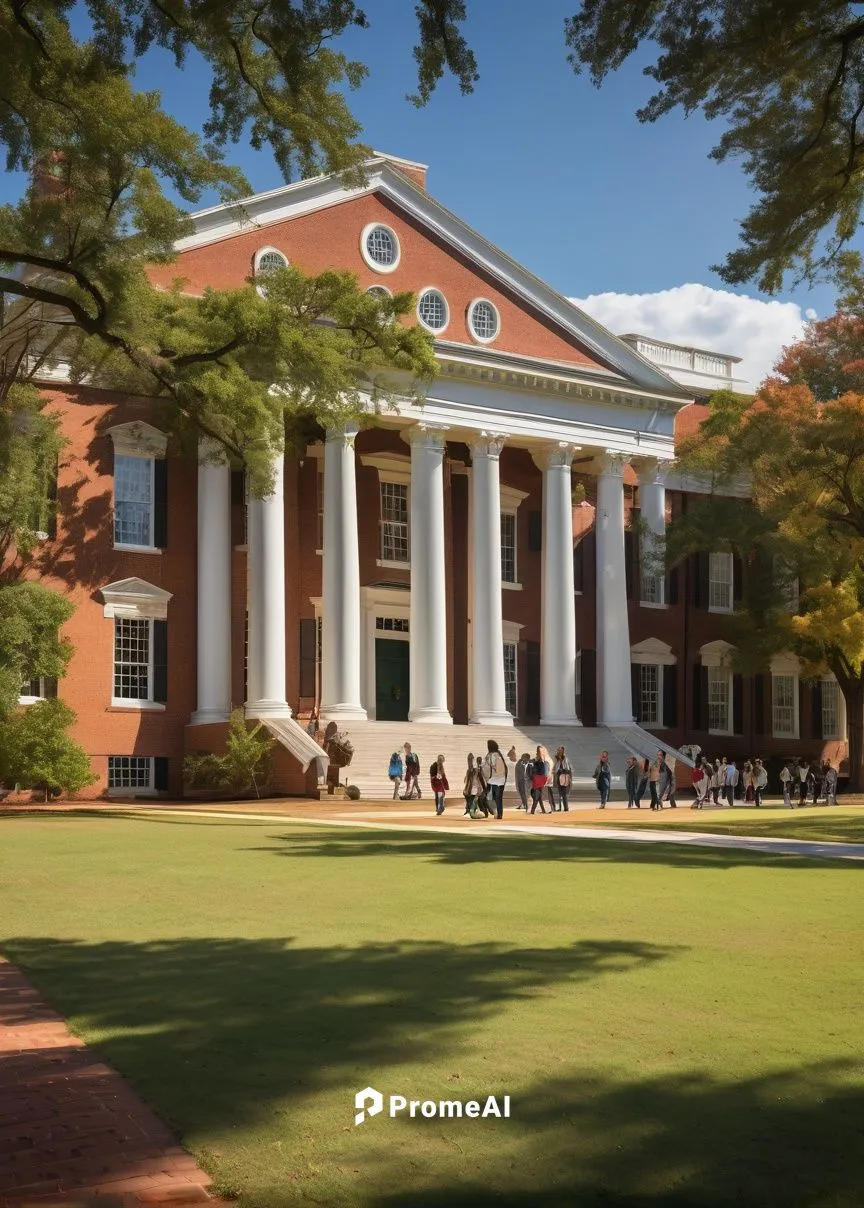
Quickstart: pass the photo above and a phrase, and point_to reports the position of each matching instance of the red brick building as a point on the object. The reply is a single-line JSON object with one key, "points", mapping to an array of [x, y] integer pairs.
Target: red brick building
{"points": [[489, 556]]}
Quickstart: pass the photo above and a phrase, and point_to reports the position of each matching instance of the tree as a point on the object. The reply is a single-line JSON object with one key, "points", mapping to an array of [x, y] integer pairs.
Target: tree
{"points": [[37, 752], [787, 79], [245, 764]]}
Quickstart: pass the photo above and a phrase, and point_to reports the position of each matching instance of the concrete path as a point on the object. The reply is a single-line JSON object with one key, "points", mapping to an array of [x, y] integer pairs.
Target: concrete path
{"points": [[72, 1131]]}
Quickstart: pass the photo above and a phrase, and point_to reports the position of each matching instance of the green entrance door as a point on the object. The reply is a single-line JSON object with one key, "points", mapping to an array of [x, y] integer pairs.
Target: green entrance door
{"points": [[391, 679]]}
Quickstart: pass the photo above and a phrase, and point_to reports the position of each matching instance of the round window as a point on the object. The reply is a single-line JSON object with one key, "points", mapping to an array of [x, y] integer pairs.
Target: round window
{"points": [[432, 310], [270, 260], [483, 320], [379, 291], [380, 247]]}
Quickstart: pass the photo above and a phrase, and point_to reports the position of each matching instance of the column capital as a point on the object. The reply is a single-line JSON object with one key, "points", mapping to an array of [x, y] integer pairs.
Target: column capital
{"points": [[488, 444], [556, 453], [427, 436], [612, 463], [342, 434], [652, 471]]}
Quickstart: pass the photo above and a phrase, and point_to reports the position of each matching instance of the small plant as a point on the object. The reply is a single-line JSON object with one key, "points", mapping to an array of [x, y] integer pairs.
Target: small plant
{"points": [[246, 763], [37, 752], [352, 792]]}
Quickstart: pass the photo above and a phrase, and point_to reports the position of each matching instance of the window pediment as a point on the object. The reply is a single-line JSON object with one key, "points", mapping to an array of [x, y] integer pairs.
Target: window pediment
{"points": [[135, 598], [652, 650], [137, 439], [716, 654]]}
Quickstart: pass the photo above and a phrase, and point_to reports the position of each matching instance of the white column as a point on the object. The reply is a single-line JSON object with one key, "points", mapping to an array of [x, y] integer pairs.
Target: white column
{"points": [[558, 614], [213, 586], [266, 651], [340, 653], [487, 629], [614, 692], [652, 506], [428, 576]]}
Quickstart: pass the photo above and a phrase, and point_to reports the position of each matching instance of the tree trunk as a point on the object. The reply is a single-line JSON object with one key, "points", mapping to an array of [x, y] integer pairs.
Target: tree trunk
{"points": [[853, 695]]}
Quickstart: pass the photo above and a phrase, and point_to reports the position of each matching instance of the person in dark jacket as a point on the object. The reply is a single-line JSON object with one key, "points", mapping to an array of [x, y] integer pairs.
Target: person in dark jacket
{"points": [[439, 783], [603, 778], [523, 780], [643, 775], [539, 780], [666, 784], [631, 781]]}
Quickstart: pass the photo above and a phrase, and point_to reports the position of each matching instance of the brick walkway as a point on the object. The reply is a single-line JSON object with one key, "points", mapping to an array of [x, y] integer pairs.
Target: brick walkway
{"points": [[72, 1131]]}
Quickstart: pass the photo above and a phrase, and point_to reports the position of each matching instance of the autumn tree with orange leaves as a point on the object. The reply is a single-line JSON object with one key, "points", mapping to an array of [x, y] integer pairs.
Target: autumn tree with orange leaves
{"points": [[800, 447]]}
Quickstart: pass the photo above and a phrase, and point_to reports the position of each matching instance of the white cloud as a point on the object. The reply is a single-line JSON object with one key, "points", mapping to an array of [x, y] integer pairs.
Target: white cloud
{"points": [[703, 317]]}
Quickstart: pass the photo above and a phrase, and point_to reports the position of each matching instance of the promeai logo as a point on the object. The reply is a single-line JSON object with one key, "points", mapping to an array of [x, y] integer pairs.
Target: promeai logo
{"points": [[368, 1102]]}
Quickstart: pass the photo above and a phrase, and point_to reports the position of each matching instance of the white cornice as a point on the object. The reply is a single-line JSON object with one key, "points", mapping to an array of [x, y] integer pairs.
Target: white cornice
{"points": [[305, 196], [135, 598]]}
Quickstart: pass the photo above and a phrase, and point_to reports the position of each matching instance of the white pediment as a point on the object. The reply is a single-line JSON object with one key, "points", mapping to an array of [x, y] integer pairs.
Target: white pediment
{"points": [[137, 439], [652, 651], [135, 598], [716, 654]]}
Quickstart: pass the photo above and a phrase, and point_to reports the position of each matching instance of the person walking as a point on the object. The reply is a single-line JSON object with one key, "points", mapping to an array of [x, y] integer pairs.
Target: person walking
{"points": [[631, 781], [803, 771], [730, 782], [523, 780], [495, 772], [563, 777], [396, 771], [550, 796], [642, 781], [412, 773], [474, 789], [830, 783], [701, 782], [718, 779], [786, 785], [653, 782], [465, 793], [760, 782], [666, 785], [539, 779], [439, 783], [747, 782], [603, 778]]}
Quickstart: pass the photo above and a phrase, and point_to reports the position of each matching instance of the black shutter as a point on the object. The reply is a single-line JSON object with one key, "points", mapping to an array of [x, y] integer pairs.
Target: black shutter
{"points": [[579, 565], [816, 709], [535, 532], [160, 661], [672, 586], [589, 542], [160, 502], [759, 704], [308, 644], [51, 688], [699, 579], [160, 774], [532, 679], [238, 488], [737, 704], [670, 696], [700, 697], [589, 688], [737, 579], [630, 562], [635, 694]]}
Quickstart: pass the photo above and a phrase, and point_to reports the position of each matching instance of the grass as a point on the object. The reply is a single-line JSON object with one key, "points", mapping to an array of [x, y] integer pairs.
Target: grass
{"points": [[820, 824], [675, 1027]]}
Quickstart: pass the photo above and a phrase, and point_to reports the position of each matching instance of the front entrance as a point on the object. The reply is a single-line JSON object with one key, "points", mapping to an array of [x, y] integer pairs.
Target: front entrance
{"points": [[391, 679]]}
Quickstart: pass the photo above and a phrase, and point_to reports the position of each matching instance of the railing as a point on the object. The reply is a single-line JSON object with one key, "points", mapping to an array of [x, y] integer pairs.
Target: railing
{"points": [[686, 358]]}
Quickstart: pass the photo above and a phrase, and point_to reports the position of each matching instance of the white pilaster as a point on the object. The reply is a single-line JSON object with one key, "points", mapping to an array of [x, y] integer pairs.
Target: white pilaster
{"points": [[652, 506], [558, 613], [340, 653], [213, 586], [428, 576], [266, 552], [614, 693], [487, 631]]}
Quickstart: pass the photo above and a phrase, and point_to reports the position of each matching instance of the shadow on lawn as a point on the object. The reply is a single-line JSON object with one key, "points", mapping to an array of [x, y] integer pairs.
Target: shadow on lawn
{"points": [[790, 1138], [447, 848], [214, 1031]]}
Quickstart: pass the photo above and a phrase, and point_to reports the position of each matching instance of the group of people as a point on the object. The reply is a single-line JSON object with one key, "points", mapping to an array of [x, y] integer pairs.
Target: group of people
{"points": [[800, 782], [651, 778]]}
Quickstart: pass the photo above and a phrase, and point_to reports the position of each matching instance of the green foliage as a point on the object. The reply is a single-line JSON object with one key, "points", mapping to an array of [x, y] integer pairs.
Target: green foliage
{"points": [[30, 445], [352, 792], [36, 751], [30, 619], [786, 80], [245, 765]]}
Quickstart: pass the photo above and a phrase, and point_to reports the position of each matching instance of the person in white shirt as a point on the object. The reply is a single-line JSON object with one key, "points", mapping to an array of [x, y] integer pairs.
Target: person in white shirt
{"points": [[760, 782], [730, 782], [786, 786], [495, 771]]}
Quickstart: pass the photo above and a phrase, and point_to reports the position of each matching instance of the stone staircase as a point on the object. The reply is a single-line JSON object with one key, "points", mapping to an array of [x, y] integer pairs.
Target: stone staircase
{"points": [[375, 741]]}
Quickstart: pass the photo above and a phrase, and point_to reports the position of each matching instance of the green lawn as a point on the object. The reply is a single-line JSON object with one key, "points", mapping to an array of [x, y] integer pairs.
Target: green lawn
{"points": [[819, 824], [675, 1027]]}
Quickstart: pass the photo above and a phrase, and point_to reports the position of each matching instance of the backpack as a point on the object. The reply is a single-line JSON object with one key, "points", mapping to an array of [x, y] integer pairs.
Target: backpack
{"points": [[412, 763], [395, 768], [433, 770]]}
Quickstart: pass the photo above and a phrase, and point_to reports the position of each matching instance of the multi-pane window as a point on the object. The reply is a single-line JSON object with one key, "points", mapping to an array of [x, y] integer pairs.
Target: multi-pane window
{"points": [[394, 522], [720, 593], [44, 687], [652, 588], [784, 689], [432, 310], [392, 624], [381, 246], [830, 708], [133, 677], [133, 500], [508, 547], [719, 700], [483, 319], [130, 772], [650, 680], [510, 685]]}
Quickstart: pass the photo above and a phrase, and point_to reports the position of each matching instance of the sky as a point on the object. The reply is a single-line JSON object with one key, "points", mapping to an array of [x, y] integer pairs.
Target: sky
{"points": [[624, 218]]}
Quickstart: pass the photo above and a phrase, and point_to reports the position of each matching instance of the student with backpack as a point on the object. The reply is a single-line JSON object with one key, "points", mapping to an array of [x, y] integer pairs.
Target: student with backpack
{"points": [[439, 783], [396, 772], [412, 773], [474, 789], [495, 771], [539, 780], [563, 779]]}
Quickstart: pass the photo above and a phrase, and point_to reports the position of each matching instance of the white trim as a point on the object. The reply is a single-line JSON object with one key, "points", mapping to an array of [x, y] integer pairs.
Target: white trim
{"points": [[651, 651], [511, 498], [391, 467], [364, 251], [375, 601], [138, 549], [256, 265], [421, 293], [137, 439], [469, 321], [716, 654], [135, 598], [785, 664]]}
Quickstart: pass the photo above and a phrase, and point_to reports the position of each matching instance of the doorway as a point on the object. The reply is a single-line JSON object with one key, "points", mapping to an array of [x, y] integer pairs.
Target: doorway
{"points": [[392, 679]]}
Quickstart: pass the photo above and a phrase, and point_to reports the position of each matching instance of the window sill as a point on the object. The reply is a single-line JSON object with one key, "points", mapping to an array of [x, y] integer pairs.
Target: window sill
{"points": [[647, 604], [392, 565], [32, 700], [511, 586], [139, 706], [721, 611], [133, 793], [787, 737], [721, 733], [137, 549]]}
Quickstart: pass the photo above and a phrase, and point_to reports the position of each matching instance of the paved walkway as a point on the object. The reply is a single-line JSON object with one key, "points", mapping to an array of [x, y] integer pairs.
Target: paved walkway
{"points": [[71, 1129]]}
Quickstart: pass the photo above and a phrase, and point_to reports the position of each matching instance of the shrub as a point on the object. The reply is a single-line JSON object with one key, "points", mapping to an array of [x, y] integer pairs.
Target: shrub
{"points": [[352, 792], [36, 751], [246, 763]]}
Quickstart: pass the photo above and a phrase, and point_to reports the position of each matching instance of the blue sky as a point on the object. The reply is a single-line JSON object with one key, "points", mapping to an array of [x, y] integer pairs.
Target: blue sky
{"points": [[560, 175]]}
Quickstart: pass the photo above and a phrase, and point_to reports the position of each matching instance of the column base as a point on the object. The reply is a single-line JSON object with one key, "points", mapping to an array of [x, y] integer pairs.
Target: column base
{"points": [[258, 709], [209, 717], [342, 713], [429, 714], [562, 720], [491, 719]]}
